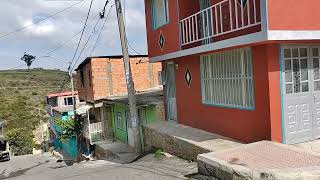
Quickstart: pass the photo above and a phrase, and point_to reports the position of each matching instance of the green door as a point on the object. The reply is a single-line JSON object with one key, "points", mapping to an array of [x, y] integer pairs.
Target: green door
{"points": [[151, 114], [120, 122]]}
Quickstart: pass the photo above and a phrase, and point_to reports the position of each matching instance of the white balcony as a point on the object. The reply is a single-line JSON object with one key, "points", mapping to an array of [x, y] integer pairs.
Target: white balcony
{"points": [[223, 18]]}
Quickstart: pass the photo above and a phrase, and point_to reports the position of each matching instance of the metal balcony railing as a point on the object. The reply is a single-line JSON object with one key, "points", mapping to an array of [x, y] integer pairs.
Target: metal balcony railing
{"points": [[219, 19], [95, 132]]}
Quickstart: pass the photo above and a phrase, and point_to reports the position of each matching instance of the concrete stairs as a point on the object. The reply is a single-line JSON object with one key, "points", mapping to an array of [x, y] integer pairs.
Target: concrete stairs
{"points": [[115, 151]]}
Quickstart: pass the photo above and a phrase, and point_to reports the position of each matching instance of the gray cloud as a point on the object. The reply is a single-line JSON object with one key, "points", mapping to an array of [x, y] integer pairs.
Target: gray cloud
{"points": [[41, 38]]}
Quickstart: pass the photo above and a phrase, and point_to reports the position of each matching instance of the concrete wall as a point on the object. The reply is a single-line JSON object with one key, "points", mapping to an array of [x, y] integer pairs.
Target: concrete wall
{"points": [[180, 9], [295, 15], [243, 125], [108, 77], [170, 31], [61, 100]]}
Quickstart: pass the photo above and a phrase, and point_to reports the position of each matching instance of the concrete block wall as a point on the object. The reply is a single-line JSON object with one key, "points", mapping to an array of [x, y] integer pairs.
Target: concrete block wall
{"points": [[108, 77]]}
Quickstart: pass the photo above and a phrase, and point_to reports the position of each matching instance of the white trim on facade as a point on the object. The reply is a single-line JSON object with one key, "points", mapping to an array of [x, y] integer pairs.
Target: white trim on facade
{"points": [[264, 35], [237, 41], [272, 35], [293, 35]]}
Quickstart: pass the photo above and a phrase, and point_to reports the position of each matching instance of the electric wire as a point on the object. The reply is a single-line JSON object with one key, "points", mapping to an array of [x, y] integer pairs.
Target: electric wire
{"points": [[83, 29], [101, 30], [85, 45], [40, 21]]}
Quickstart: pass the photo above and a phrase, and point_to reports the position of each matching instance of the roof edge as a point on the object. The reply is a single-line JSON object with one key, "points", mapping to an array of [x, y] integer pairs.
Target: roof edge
{"points": [[88, 59]]}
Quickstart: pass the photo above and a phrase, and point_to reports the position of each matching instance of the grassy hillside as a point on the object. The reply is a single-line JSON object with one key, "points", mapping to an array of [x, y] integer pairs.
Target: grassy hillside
{"points": [[22, 94]]}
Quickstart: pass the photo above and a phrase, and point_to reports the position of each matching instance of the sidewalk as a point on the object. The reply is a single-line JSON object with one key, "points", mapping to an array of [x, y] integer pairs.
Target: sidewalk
{"points": [[261, 160], [311, 146]]}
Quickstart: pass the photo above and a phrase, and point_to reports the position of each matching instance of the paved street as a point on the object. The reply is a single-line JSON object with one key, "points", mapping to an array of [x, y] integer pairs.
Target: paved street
{"points": [[45, 167]]}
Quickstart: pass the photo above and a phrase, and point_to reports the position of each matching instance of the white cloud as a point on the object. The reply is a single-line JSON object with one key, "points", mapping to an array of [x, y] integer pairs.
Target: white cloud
{"points": [[39, 30], [43, 37]]}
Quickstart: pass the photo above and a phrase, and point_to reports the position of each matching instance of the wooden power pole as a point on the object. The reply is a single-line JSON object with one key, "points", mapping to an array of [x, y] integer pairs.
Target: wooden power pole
{"points": [[133, 124]]}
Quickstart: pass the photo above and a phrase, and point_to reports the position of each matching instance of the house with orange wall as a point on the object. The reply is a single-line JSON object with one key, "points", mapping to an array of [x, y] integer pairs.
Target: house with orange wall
{"points": [[101, 84], [245, 69]]}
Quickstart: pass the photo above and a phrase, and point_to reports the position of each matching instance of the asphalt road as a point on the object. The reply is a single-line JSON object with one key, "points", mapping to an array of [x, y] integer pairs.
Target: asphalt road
{"points": [[36, 167]]}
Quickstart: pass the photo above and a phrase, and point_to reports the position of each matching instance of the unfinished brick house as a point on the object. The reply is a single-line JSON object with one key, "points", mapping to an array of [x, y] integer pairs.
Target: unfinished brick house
{"points": [[100, 77], [101, 83]]}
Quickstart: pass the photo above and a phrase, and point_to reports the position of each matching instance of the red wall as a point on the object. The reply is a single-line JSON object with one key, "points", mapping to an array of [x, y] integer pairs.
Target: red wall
{"points": [[294, 15], [272, 54], [170, 31], [243, 125]]}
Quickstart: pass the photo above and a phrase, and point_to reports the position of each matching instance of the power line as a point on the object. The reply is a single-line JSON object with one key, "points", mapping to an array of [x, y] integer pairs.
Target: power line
{"points": [[64, 81], [133, 48], [84, 27], [50, 16], [69, 40], [91, 35], [85, 45], [42, 57], [75, 53], [101, 30]]}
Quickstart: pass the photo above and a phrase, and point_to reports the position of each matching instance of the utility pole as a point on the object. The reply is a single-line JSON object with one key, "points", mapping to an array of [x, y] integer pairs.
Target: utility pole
{"points": [[72, 90], [77, 120], [133, 128]]}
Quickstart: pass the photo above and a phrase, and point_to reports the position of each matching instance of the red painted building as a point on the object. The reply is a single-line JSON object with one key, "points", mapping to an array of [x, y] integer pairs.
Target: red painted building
{"points": [[245, 69]]}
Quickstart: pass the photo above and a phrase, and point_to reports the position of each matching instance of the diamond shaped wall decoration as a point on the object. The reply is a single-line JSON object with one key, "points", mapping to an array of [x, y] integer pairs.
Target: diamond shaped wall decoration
{"points": [[188, 77], [161, 41]]}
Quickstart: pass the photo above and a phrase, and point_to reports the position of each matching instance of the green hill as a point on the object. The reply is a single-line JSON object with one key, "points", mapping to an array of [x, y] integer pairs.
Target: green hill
{"points": [[22, 96]]}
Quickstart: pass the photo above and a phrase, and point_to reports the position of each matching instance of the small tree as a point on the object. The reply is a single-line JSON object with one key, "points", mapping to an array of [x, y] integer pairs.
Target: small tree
{"points": [[21, 141], [71, 128], [28, 59], [67, 127]]}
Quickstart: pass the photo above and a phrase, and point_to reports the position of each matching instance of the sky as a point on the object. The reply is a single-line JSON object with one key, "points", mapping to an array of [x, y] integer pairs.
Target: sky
{"points": [[39, 39]]}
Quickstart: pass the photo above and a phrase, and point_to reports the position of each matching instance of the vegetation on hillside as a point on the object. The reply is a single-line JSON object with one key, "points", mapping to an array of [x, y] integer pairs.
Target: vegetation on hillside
{"points": [[23, 103]]}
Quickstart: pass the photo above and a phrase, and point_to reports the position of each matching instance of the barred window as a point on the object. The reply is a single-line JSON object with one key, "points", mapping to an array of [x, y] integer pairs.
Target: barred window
{"points": [[227, 80]]}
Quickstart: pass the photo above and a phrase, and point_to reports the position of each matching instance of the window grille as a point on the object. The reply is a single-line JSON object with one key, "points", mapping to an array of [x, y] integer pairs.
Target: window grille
{"points": [[227, 79]]}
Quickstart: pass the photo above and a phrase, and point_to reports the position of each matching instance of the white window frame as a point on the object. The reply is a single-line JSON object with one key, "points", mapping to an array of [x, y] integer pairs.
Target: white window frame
{"points": [[157, 23], [227, 79], [66, 102]]}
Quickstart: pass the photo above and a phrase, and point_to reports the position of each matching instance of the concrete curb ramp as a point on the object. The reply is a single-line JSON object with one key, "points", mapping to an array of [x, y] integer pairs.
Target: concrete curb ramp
{"points": [[261, 160]]}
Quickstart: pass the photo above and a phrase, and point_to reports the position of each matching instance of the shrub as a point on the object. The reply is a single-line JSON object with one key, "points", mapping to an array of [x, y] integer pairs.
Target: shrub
{"points": [[21, 141]]}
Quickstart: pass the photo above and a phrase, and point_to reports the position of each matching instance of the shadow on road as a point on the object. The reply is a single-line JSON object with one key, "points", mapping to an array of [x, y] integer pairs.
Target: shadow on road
{"points": [[19, 172]]}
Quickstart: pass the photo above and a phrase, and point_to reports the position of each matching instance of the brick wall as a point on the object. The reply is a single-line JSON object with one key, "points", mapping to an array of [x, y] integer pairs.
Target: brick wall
{"points": [[85, 90], [108, 77]]}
